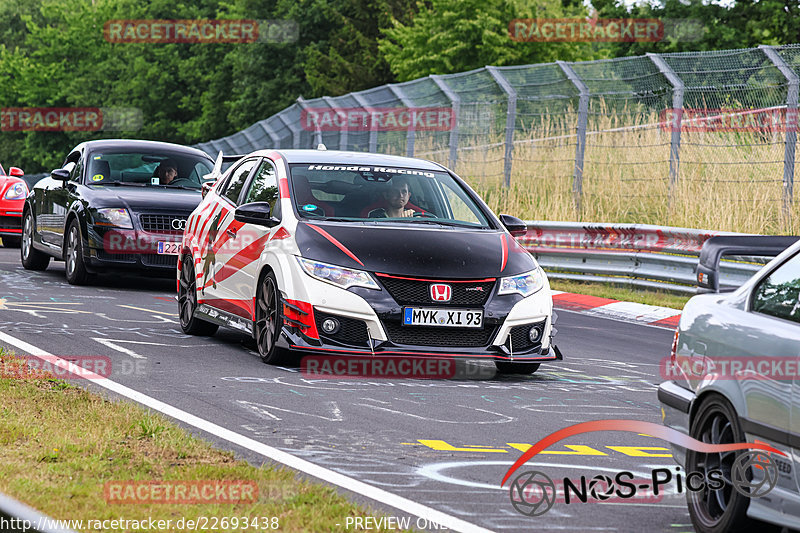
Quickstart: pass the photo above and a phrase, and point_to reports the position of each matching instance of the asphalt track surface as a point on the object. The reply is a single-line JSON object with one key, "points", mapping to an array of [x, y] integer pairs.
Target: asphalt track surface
{"points": [[443, 443]]}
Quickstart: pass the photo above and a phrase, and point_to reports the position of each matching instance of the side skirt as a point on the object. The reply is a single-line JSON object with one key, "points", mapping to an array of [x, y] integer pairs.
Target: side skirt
{"points": [[223, 318]]}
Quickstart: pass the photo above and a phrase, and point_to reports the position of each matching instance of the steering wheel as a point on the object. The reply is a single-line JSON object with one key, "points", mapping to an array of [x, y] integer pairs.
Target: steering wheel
{"points": [[183, 182], [424, 214]]}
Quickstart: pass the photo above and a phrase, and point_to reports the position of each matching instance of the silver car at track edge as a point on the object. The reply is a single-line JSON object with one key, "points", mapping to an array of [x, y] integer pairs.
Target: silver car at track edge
{"points": [[734, 376]]}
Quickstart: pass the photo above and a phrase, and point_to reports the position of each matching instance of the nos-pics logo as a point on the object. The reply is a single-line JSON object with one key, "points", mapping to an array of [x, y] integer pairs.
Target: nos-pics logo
{"points": [[753, 473]]}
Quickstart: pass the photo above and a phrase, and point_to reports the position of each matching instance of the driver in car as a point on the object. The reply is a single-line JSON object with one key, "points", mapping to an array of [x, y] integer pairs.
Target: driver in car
{"points": [[396, 198], [166, 172]]}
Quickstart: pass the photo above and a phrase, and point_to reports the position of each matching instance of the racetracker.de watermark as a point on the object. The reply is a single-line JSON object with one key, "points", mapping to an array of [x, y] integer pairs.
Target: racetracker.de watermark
{"points": [[69, 367], [199, 31], [392, 367], [736, 368], [377, 119], [180, 492], [623, 30], [70, 119], [764, 120]]}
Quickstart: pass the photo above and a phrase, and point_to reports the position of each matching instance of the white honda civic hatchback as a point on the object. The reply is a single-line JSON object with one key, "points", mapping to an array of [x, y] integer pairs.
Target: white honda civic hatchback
{"points": [[347, 253]]}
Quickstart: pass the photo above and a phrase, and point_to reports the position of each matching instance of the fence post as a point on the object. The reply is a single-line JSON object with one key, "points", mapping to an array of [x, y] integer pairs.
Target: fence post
{"points": [[317, 132], [272, 135], [373, 133], [455, 104], [411, 132], [791, 127], [511, 120], [677, 110], [288, 124], [580, 145], [342, 131]]}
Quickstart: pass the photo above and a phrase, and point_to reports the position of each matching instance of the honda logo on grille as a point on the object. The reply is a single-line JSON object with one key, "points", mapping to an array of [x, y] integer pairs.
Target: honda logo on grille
{"points": [[441, 292]]}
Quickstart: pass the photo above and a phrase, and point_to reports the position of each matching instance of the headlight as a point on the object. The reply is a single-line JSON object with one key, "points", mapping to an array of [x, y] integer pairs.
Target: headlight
{"points": [[524, 284], [339, 276], [18, 191], [117, 217]]}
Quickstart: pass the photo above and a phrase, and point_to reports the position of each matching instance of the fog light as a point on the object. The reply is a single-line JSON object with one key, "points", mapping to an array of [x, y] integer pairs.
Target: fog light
{"points": [[534, 334], [330, 326]]}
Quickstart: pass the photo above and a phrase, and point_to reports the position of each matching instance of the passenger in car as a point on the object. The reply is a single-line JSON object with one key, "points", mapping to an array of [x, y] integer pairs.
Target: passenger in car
{"points": [[395, 199]]}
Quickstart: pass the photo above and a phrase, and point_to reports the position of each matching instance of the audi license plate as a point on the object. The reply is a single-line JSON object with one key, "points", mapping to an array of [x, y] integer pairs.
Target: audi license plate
{"points": [[169, 248], [454, 318]]}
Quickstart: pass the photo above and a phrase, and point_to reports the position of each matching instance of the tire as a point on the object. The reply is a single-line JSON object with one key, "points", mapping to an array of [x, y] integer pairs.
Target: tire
{"points": [[269, 321], [187, 302], [73, 256], [32, 259], [516, 368], [11, 241], [723, 510]]}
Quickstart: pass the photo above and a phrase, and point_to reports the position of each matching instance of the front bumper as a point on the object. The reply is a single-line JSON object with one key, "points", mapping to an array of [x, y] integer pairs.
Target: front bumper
{"points": [[11, 221], [676, 403], [370, 323], [113, 248]]}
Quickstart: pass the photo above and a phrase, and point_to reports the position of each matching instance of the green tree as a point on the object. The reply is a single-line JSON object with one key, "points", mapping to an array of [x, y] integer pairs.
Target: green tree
{"points": [[447, 36]]}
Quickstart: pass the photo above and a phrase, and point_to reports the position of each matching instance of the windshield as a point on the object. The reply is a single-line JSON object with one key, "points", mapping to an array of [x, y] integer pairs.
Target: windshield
{"points": [[358, 193], [144, 169]]}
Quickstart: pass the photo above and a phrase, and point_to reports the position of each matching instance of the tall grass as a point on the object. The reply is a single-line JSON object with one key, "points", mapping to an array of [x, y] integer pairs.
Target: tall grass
{"points": [[729, 181]]}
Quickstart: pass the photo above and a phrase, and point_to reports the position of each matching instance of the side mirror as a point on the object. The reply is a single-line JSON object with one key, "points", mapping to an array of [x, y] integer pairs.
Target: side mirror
{"points": [[15, 171], [255, 213], [206, 187], [515, 226], [60, 174]]}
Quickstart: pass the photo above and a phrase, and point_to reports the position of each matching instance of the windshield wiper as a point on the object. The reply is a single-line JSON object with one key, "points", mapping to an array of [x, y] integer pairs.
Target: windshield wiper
{"points": [[184, 187], [417, 220]]}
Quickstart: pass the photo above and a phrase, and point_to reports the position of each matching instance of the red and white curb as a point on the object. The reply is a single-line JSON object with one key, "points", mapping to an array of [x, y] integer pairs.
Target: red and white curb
{"points": [[650, 315]]}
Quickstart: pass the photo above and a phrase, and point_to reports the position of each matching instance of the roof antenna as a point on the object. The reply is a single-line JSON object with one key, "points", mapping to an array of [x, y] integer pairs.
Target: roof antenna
{"points": [[321, 146]]}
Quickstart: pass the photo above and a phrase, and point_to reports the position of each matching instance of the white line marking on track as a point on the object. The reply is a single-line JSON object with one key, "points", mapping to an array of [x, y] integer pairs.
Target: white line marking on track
{"points": [[261, 409], [307, 467], [109, 343]]}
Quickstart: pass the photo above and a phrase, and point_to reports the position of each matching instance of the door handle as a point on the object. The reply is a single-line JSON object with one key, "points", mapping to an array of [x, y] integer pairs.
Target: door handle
{"points": [[231, 233]]}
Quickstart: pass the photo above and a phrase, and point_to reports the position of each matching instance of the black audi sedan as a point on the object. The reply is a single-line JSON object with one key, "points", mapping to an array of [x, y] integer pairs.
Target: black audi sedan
{"points": [[113, 205]]}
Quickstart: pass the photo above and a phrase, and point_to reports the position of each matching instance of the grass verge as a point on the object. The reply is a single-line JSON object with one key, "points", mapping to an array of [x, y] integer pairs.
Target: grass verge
{"points": [[602, 290], [60, 445]]}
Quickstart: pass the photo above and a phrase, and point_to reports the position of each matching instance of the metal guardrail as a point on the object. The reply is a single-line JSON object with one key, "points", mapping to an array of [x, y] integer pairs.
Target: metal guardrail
{"points": [[16, 517], [656, 257]]}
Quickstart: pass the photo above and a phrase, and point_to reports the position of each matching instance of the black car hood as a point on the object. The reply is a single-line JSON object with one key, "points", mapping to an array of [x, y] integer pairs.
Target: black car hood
{"points": [[428, 251], [139, 199]]}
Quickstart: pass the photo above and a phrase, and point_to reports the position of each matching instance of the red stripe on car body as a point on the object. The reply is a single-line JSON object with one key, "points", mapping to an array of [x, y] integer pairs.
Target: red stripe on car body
{"points": [[336, 243], [436, 280]]}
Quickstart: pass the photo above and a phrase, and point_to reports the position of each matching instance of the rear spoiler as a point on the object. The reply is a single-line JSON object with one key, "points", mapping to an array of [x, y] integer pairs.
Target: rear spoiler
{"points": [[746, 245], [217, 172]]}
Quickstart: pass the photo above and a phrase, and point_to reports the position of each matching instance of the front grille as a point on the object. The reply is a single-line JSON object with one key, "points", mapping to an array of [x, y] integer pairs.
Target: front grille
{"points": [[105, 256], [438, 336], [416, 291], [351, 331], [161, 223], [10, 222], [162, 260], [520, 340]]}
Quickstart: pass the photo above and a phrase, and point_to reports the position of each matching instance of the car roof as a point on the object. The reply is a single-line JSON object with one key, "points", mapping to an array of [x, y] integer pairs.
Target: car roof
{"points": [[137, 144], [338, 157]]}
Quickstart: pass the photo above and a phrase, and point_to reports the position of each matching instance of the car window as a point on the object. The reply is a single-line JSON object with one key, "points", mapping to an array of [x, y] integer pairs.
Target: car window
{"points": [[126, 167], [379, 193], [235, 183], [779, 294], [264, 186], [75, 175]]}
